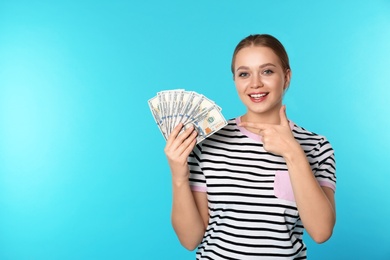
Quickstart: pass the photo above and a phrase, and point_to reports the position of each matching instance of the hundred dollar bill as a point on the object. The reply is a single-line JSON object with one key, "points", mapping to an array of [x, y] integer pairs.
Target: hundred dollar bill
{"points": [[155, 108], [207, 123], [191, 100], [173, 103], [171, 107], [163, 104], [203, 105], [177, 106], [169, 103], [168, 98], [176, 95], [194, 107]]}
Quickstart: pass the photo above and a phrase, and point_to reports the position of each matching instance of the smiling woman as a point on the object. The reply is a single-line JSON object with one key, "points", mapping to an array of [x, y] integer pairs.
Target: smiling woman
{"points": [[252, 188], [260, 81]]}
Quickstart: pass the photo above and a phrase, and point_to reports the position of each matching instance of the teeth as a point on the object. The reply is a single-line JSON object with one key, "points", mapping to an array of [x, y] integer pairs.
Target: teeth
{"points": [[258, 95]]}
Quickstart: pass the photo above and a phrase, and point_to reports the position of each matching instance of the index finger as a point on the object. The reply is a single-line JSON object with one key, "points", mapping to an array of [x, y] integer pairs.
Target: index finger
{"points": [[283, 115], [174, 133]]}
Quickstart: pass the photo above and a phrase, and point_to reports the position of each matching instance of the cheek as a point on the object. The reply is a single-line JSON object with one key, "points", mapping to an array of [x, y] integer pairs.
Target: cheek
{"points": [[240, 91], [271, 81], [276, 83], [240, 85]]}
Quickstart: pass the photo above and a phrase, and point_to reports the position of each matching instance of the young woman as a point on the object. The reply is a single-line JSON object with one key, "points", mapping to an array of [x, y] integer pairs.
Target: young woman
{"points": [[250, 190]]}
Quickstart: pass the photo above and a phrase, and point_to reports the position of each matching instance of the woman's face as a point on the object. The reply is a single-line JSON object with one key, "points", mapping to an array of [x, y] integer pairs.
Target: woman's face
{"points": [[260, 80]]}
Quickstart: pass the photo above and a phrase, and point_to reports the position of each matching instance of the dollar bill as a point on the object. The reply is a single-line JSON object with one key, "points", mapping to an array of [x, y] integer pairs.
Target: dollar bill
{"points": [[176, 95], [179, 103], [155, 108], [171, 107], [193, 100], [207, 123], [203, 105]]}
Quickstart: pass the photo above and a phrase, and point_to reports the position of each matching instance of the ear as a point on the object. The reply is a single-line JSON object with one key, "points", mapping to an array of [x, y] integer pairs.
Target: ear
{"points": [[287, 79]]}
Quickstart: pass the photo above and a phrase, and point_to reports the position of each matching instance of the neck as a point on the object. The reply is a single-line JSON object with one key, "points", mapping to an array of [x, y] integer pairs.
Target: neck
{"points": [[269, 117]]}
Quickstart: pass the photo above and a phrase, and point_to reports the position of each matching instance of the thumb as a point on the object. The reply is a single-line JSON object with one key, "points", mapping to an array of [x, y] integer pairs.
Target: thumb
{"points": [[283, 116]]}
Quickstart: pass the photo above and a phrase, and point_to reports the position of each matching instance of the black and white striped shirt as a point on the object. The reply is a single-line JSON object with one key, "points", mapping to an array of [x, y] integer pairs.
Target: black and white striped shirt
{"points": [[253, 214]]}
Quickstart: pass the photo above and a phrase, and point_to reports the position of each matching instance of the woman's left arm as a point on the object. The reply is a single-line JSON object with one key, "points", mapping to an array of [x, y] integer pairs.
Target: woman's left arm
{"points": [[316, 204]]}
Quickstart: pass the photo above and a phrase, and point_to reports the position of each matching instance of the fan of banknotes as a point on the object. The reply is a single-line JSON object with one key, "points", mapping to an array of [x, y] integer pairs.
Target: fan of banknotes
{"points": [[171, 107]]}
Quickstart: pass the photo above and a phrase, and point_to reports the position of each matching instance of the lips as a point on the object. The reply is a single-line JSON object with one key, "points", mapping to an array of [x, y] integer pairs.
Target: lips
{"points": [[258, 97]]}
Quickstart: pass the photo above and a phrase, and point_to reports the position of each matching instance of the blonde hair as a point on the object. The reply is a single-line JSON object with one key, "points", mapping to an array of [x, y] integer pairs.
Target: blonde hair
{"points": [[264, 40]]}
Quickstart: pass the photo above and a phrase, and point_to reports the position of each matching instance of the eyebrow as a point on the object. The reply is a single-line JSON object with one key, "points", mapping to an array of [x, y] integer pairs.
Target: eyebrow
{"points": [[261, 66]]}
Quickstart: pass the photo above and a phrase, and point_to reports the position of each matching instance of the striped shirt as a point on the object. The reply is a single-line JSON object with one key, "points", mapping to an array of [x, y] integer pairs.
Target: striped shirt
{"points": [[253, 214]]}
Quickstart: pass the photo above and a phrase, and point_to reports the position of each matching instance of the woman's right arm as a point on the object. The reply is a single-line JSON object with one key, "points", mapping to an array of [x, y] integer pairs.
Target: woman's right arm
{"points": [[189, 209]]}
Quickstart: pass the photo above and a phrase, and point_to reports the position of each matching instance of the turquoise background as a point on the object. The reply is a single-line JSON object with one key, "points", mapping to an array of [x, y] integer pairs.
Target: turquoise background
{"points": [[82, 169]]}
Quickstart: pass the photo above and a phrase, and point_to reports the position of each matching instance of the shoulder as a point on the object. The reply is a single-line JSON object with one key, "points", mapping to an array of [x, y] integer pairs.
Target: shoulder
{"points": [[309, 140]]}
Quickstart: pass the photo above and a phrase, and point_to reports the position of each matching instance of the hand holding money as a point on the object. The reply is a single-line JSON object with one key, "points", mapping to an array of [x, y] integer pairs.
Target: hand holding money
{"points": [[172, 107], [177, 150]]}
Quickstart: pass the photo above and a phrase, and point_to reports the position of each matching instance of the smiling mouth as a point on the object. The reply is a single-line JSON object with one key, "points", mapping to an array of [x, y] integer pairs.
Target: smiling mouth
{"points": [[258, 96]]}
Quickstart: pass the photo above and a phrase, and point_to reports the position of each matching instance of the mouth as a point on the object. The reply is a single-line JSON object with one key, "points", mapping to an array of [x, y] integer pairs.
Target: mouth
{"points": [[258, 97]]}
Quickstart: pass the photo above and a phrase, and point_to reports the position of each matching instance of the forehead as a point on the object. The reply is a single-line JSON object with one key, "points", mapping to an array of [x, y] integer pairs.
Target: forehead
{"points": [[256, 55]]}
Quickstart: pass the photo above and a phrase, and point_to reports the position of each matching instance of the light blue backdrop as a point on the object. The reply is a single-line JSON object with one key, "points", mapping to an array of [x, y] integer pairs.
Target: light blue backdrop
{"points": [[82, 169]]}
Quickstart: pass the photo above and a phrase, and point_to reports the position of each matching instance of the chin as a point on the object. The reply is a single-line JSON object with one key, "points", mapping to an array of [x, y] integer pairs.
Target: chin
{"points": [[261, 110]]}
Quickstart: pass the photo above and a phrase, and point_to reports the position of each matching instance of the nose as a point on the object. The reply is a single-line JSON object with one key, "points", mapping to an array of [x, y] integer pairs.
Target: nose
{"points": [[256, 81]]}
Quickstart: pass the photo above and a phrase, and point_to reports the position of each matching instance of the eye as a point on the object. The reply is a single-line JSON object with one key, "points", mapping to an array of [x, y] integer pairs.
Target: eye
{"points": [[243, 74], [268, 72]]}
